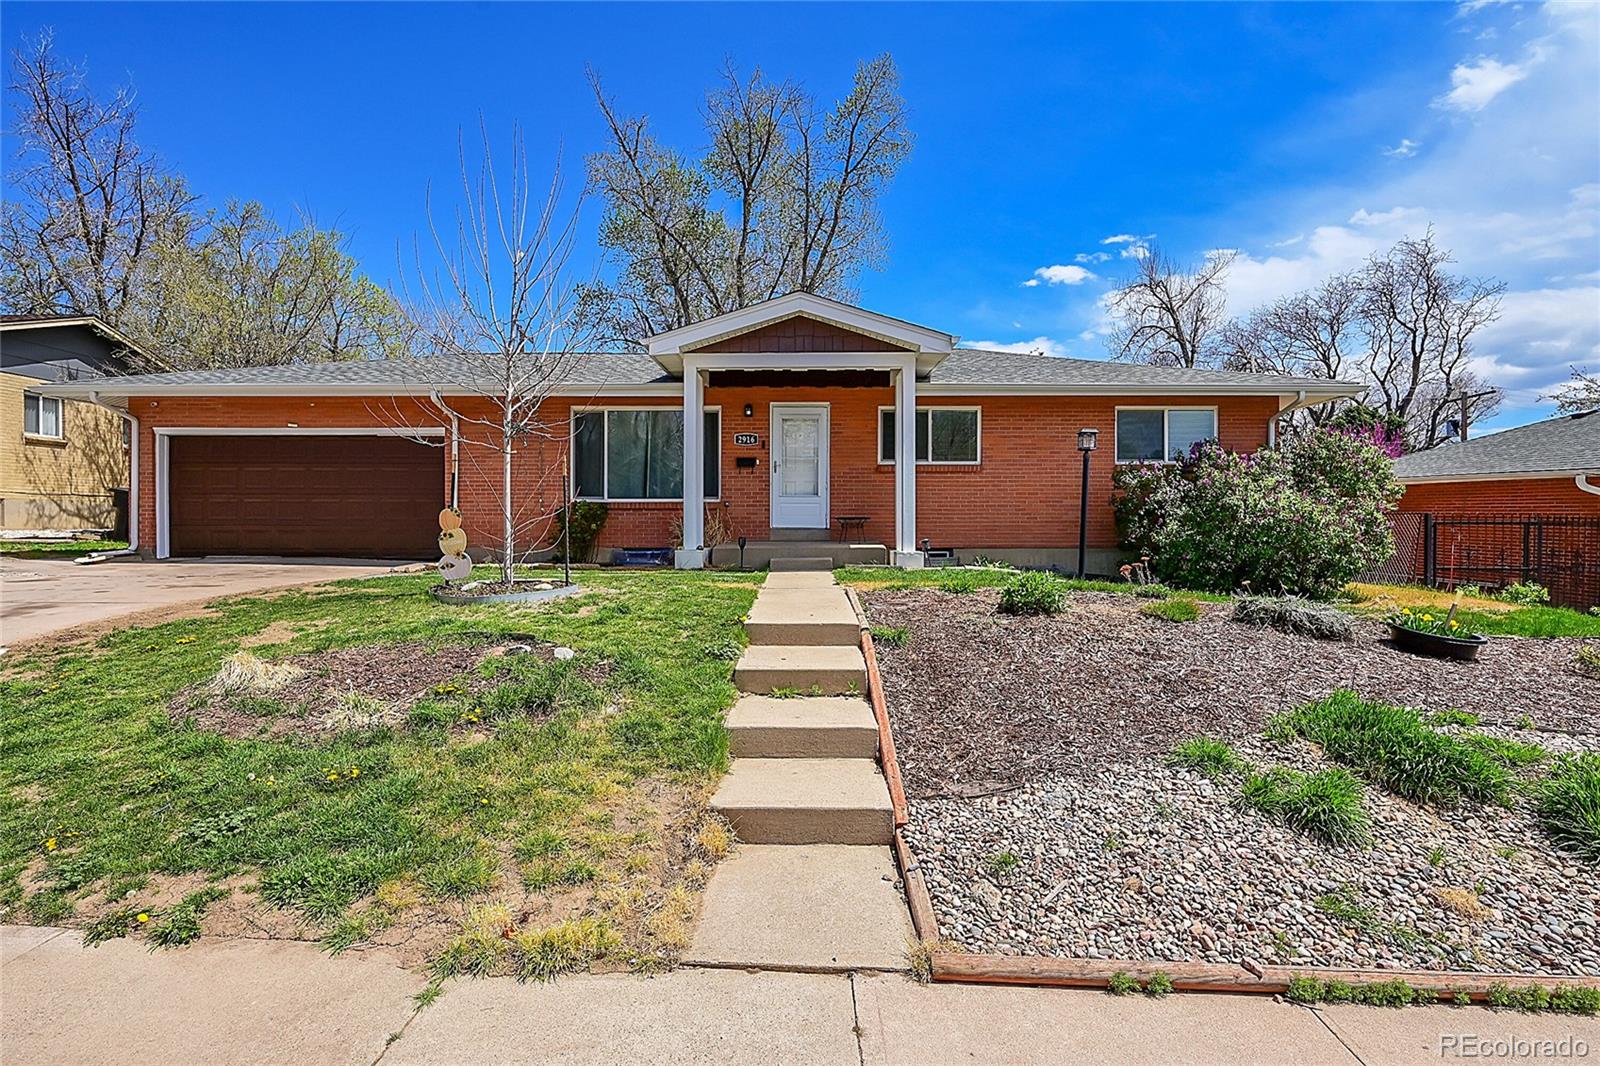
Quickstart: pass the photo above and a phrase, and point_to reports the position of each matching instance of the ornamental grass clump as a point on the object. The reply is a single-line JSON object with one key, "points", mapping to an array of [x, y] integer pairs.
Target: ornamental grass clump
{"points": [[1326, 804], [1206, 755], [1392, 747], [1568, 804], [1295, 615], [1175, 609], [1033, 592]]}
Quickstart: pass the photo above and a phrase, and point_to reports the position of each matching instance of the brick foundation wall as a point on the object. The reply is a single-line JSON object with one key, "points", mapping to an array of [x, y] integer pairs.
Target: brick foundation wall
{"points": [[1023, 493]]}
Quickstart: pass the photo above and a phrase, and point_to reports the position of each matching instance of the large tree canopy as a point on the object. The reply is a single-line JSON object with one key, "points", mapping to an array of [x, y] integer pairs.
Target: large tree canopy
{"points": [[784, 198], [94, 223]]}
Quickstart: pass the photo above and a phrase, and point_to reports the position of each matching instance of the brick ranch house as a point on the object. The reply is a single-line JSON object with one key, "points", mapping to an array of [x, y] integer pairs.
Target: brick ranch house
{"points": [[798, 411]]}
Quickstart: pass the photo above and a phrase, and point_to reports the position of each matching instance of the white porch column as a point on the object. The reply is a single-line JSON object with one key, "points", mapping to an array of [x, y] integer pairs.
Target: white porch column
{"points": [[690, 554], [906, 553]]}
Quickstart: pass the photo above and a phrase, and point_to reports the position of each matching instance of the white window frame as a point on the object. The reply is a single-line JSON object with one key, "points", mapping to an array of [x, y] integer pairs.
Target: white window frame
{"points": [[931, 461], [61, 417], [1166, 428], [605, 452]]}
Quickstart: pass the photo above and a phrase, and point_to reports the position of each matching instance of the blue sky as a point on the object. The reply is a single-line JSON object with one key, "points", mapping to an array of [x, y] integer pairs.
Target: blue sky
{"points": [[1304, 135]]}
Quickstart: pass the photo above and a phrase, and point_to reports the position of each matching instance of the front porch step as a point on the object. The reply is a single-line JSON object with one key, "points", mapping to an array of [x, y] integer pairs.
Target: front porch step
{"points": [[759, 554], [806, 801], [822, 562], [833, 727], [801, 535], [796, 615], [804, 669]]}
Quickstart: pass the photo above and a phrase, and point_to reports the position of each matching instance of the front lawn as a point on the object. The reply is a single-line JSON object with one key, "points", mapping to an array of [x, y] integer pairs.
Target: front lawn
{"points": [[1107, 784], [458, 789], [58, 549]]}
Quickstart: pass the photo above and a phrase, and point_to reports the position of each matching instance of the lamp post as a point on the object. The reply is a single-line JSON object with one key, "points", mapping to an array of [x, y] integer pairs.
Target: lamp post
{"points": [[1086, 444]]}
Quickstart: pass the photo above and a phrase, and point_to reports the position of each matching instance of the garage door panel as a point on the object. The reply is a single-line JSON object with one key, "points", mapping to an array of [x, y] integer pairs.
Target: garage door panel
{"points": [[313, 495]]}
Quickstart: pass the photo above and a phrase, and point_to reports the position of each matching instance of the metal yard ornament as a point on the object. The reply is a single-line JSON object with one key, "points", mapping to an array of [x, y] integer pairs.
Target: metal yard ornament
{"points": [[455, 565]]}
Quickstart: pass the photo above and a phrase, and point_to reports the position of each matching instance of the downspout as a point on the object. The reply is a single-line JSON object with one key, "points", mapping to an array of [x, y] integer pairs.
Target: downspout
{"points": [[133, 489], [455, 448], [1584, 486], [1272, 426]]}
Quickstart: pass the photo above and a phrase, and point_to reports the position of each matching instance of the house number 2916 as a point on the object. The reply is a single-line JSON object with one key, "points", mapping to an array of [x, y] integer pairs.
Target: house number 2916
{"points": [[748, 440]]}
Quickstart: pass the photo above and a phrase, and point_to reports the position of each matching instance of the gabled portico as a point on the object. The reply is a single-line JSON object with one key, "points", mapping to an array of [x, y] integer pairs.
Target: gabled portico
{"points": [[796, 339]]}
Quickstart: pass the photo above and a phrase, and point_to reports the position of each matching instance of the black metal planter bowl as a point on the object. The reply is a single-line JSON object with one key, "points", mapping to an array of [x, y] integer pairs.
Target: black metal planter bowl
{"points": [[1464, 649]]}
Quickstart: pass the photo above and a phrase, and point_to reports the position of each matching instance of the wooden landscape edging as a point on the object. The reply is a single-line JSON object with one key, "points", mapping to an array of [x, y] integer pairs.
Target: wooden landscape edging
{"points": [[1052, 972]]}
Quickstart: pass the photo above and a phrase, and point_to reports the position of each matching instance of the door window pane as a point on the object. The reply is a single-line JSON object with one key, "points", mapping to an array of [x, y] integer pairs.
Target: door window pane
{"points": [[1140, 436], [953, 436], [802, 462], [1185, 429]]}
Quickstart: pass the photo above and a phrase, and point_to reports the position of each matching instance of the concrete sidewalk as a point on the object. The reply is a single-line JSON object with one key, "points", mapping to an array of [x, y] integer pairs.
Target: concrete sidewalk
{"points": [[277, 1002]]}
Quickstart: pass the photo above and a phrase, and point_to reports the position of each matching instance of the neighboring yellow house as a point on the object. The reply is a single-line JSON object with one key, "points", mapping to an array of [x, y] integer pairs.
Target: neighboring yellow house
{"points": [[63, 463]]}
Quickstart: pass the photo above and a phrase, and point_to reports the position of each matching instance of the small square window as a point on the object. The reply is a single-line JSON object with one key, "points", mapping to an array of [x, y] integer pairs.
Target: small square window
{"points": [[41, 416]]}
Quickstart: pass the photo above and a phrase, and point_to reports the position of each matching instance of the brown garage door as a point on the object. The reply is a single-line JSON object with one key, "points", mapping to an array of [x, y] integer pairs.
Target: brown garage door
{"points": [[369, 497]]}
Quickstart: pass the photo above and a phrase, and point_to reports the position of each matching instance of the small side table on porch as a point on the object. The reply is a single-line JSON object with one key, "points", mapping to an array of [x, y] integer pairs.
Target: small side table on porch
{"points": [[851, 523]]}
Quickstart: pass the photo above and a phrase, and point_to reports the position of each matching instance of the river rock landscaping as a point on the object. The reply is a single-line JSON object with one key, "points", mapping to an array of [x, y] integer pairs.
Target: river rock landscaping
{"points": [[1050, 816]]}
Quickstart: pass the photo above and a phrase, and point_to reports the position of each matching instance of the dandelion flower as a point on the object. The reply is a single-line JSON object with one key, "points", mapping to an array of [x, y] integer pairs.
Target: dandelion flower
{"points": [[50, 845], [143, 917], [354, 772], [333, 777], [1427, 618]]}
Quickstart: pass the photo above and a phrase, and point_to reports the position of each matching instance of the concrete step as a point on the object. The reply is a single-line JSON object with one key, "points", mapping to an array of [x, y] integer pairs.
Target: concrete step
{"points": [[803, 669], [806, 801], [803, 562], [834, 727], [780, 534], [826, 908], [758, 554], [803, 615]]}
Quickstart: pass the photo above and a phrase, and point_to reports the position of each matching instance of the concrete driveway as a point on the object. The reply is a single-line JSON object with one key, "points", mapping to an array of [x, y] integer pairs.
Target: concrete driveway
{"points": [[40, 597]]}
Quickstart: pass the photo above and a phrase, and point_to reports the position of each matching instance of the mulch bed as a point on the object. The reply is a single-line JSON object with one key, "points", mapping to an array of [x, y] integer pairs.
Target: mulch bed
{"points": [[396, 675], [981, 702]]}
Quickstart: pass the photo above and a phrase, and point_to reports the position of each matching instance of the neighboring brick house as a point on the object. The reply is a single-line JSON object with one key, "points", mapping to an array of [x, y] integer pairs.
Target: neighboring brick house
{"points": [[802, 404], [63, 461], [1519, 505]]}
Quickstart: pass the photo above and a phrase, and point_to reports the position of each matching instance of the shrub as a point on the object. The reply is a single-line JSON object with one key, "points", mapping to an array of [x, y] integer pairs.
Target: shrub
{"points": [[1305, 520], [1294, 614], [1122, 984], [1033, 592], [1391, 747], [588, 518], [1525, 594], [1160, 985], [1326, 804], [1208, 755], [1568, 804], [1172, 610]]}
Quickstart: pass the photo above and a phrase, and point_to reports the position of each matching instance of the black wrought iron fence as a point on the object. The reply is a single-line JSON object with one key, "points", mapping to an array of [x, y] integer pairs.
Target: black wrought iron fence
{"points": [[1560, 552]]}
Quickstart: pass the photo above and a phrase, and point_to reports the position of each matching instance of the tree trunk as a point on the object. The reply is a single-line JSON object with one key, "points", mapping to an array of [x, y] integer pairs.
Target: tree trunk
{"points": [[509, 533]]}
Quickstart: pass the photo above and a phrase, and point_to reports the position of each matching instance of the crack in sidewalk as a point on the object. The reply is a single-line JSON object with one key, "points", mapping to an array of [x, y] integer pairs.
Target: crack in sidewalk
{"points": [[1335, 1033]]}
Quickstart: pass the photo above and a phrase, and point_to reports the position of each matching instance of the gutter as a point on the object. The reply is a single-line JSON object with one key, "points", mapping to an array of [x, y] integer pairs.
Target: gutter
{"points": [[1582, 481], [455, 448], [1272, 426], [133, 489]]}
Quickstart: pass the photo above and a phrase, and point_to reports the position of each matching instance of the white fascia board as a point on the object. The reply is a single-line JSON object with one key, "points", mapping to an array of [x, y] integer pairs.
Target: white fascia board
{"points": [[797, 360], [1521, 475], [1173, 389], [108, 391], [917, 338]]}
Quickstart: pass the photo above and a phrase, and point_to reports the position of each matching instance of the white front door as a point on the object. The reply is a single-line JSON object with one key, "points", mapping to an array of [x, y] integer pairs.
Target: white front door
{"points": [[799, 467]]}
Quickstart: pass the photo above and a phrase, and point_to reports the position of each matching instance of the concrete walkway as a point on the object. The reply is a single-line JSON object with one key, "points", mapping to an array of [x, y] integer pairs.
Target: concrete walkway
{"points": [[277, 1002], [39, 597], [812, 886]]}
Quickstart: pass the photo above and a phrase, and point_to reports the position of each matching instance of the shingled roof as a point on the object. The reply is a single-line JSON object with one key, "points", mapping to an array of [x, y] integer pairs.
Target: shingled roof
{"points": [[1558, 446]]}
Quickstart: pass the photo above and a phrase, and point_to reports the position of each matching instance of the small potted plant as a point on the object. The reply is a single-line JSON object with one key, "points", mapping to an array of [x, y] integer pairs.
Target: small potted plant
{"points": [[1428, 632]]}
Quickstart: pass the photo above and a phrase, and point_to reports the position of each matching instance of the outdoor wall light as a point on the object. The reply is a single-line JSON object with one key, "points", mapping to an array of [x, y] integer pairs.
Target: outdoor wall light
{"points": [[1087, 438], [749, 409]]}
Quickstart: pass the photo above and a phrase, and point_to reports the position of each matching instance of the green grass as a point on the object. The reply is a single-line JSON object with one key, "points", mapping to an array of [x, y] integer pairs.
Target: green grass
{"points": [[1530, 622], [890, 636], [105, 789], [65, 549], [961, 579], [1568, 804], [1033, 592], [1393, 748], [1510, 753], [1208, 755], [1326, 804], [1175, 609]]}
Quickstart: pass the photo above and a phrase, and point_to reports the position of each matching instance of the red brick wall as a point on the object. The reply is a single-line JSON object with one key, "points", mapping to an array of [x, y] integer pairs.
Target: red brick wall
{"points": [[1023, 494], [1505, 496]]}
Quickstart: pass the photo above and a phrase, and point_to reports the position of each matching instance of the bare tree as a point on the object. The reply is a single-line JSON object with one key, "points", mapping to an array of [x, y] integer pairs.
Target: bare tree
{"points": [[86, 205], [1169, 315], [784, 200], [496, 310], [1310, 334], [1582, 393], [1419, 321]]}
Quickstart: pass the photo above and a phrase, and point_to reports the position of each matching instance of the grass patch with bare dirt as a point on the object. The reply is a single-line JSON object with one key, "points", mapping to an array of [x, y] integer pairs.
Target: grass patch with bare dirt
{"points": [[380, 773]]}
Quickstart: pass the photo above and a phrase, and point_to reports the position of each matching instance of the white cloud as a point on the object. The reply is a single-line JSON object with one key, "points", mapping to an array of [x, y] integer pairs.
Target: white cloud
{"points": [[1060, 275], [1121, 238], [1474, 85], [1091, 257], [1539, 335], [1404, 150], [1039, 345]]}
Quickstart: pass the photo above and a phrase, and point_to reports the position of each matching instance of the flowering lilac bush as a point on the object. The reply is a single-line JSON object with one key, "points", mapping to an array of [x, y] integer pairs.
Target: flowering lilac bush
{"points": [[1301, 521]]}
